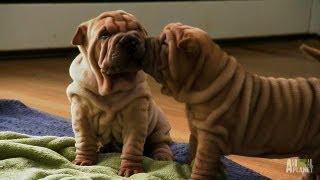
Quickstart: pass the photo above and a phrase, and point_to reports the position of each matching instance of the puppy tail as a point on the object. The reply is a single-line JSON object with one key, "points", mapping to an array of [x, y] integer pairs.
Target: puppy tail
{"points": [[313, 52]]}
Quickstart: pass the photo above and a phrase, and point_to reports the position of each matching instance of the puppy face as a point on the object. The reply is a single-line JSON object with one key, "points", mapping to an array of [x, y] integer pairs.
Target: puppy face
{"points": [[181, 44], [176, 57], [113, 39]]}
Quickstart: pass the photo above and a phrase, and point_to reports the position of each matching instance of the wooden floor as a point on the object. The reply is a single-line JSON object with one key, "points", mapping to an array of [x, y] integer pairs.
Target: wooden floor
{"points": [[41, 83]]}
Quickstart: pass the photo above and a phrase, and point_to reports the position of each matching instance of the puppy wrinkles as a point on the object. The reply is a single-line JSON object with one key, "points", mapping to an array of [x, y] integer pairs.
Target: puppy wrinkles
{"points": [[272, 115], [234, 111], [113, 109]]}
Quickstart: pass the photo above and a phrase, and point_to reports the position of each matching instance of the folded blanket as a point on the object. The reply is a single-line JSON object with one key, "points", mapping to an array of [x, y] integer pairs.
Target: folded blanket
{"points": [[30, 157], [33, 157]]}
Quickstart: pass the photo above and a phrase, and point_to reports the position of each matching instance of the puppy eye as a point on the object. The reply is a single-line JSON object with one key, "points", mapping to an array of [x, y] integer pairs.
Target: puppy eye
{"points": [[105, 34]]}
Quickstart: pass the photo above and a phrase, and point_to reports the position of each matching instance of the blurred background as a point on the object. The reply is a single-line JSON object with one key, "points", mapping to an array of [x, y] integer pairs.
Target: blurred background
{"points": [[264, 35]]}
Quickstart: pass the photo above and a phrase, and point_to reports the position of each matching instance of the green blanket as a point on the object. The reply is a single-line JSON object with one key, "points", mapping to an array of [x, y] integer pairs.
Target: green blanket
{"points": [[48, 157]]}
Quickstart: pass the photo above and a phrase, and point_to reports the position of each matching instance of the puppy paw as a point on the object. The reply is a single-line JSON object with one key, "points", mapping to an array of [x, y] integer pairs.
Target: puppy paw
{"points": [[84, 161], [128, 171], [163, 157]]}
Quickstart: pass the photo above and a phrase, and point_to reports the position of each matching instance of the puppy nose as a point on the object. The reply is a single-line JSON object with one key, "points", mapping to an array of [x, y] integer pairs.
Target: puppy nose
{"points": [[129, 43]]}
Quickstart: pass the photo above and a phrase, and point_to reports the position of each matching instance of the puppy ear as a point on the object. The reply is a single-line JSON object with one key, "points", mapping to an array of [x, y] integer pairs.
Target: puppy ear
{"points": [[190, 46], [80, 37]]}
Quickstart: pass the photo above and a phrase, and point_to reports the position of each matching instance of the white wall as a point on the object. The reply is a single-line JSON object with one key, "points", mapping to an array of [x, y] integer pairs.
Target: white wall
{"points": [[315, 17], [37, 26]]}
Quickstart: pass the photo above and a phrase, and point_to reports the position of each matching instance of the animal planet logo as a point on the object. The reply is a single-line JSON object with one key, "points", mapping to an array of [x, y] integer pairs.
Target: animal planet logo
{"points": [[299, 166]]}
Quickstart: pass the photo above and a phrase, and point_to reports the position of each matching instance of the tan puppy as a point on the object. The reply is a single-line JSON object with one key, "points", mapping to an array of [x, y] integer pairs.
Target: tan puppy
{"points": [[232, 111], [118, 108]]}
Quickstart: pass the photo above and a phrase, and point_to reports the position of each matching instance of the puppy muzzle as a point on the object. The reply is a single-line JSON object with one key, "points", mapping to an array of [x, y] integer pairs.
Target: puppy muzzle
{"points": [[128, 50]]}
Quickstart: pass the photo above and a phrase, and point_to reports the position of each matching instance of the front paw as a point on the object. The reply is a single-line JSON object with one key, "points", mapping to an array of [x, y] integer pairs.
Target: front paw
{"points": [[128, 171], [162, 157], [208, 174], [200, 177], [84, 161]]}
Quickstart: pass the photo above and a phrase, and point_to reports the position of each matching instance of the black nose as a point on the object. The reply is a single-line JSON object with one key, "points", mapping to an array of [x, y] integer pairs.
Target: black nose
{"points": [[129, 43]]}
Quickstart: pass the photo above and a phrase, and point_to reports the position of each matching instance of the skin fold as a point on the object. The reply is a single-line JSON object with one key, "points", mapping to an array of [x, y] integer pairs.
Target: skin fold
{"points": [[114, 109], [231, 110]]}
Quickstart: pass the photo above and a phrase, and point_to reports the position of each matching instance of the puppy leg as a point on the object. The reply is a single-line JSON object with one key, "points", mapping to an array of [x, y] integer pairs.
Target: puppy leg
{"points": [[193, 143], [207, 160], [159, 144], [158, 147], [134, 133], [162, 152], [86, 142], [159, 140], [159, 150]]}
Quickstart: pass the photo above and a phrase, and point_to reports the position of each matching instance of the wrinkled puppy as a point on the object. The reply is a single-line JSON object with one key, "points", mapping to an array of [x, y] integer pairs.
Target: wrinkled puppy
{"points": [[116, 109], [230, 110]]}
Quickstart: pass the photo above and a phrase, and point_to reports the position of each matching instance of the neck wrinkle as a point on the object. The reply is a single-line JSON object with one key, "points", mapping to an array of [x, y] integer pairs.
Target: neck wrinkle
{"points": [[222, 79], [213, 59]]}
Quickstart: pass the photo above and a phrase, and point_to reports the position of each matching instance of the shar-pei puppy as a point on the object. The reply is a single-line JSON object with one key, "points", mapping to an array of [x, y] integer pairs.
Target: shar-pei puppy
{"points": [[114, 109], [230, 110]]}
